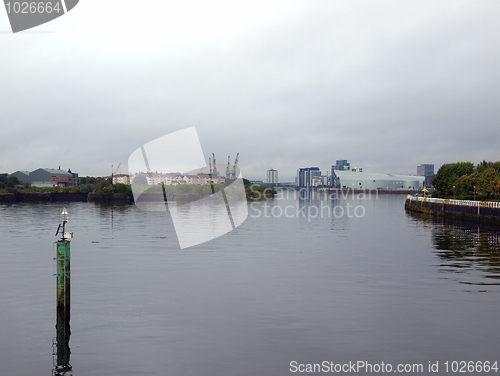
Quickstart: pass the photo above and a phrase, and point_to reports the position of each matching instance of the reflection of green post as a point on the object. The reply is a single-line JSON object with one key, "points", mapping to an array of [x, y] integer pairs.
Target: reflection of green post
{"points": [[63, 274], [63, 351]]}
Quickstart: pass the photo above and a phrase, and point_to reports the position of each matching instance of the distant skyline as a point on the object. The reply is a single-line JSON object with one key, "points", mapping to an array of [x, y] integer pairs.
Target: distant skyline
{"points": [[387, 85]]}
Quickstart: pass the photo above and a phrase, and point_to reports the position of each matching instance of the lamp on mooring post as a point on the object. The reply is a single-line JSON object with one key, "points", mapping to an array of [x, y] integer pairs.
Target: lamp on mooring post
{"points": [[61, 343], [453, 192]]}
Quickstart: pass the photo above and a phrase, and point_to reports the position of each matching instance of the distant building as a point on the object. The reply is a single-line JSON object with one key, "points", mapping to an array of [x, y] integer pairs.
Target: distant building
{"points": [[47, 177], [366, 180], [44, 177], [319, 180], [426, 170], [272, 176], [119, 179], [305, 176], [175, 178], [341, 165], [23, 176]]}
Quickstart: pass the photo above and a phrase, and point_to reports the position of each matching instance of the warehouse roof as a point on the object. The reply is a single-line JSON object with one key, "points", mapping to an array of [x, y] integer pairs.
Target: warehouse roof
{"points": [[349, 175], [55, 172]]}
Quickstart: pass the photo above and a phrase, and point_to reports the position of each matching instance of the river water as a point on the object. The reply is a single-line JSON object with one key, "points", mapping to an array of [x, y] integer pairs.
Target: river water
{"points": [[301, 281]]}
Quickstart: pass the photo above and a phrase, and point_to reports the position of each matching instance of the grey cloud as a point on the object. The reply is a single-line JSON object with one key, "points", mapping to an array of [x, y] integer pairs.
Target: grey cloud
{"points": [[387, 85]]}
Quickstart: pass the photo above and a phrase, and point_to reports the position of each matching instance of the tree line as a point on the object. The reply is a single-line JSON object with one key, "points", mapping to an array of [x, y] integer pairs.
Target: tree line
{"points": [[463, 179], [11, 184]]}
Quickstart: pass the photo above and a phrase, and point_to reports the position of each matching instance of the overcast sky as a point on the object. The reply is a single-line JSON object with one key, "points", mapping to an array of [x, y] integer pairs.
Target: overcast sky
{"points": [[387, 85]]}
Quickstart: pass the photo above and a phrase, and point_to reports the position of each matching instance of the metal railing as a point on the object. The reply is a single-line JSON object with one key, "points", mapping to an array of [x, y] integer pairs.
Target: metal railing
{"points": [[488, 204]]}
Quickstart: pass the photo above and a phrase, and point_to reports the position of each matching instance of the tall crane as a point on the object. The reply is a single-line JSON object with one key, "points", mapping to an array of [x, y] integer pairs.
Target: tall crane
{"points": [[228, 167], [216, 173], [233, 173], [113, 173]]}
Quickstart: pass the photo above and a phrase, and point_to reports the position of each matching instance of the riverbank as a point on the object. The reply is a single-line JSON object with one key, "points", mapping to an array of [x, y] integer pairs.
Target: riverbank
{"points": [[100, 197], [477, 211], [62, 197]]}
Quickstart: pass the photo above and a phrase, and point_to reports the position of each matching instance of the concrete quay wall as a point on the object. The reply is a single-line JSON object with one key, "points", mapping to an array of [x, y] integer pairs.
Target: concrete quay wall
{"points": [[479, 211]]}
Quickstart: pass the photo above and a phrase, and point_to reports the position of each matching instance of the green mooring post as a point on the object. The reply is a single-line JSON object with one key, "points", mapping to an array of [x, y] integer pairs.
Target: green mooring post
{"points": [[62, 351], [63, 273], [63, 264]]}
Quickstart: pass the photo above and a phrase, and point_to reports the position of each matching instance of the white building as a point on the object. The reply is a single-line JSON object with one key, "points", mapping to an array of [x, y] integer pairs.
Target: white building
{"points": [[368, 180], [319, 180], [155, 178], [272, 176], [119, 179]]}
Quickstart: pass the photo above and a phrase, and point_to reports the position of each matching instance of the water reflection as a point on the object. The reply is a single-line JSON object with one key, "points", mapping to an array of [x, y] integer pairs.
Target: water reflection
{"points": [[469, 249], [60, 344], [316, 204], [312, 206]]}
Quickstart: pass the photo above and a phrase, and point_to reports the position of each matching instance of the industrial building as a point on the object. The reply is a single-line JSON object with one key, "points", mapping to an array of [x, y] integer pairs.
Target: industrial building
{"points": [[366, 180], [23, 176], [47, 177]]}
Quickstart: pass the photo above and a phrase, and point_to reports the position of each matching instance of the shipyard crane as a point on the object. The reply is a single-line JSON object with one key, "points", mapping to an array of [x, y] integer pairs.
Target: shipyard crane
{"points": [[233, 173], [216, 173], [114, 173], [228, 167]]}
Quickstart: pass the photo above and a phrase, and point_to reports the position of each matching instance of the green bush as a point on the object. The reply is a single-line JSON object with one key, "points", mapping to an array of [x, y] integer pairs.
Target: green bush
{"points": [[123, 188]]}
